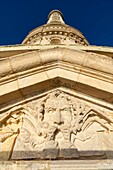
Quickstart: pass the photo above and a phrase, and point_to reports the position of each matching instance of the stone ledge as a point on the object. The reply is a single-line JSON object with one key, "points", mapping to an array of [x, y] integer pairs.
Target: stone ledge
{"points": [[57, 165]]}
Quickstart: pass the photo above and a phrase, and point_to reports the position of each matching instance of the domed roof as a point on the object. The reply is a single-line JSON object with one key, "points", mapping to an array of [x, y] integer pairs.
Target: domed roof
{"points": [[55, 32]]}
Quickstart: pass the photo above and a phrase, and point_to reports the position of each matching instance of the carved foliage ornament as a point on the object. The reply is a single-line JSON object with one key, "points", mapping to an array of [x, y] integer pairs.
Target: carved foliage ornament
{"points": [[57, 127]]}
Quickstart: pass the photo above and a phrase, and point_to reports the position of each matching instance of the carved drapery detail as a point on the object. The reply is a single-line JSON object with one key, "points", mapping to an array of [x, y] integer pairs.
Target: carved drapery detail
{"points": [[57, 126], [10, 124]]}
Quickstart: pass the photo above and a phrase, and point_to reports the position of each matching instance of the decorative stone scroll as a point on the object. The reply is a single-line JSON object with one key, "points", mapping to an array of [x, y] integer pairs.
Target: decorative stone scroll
{"points": [[57, 126]]}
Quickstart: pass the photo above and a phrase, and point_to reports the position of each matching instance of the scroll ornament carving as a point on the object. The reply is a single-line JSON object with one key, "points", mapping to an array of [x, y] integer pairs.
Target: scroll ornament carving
{"points": [[58, 127]]}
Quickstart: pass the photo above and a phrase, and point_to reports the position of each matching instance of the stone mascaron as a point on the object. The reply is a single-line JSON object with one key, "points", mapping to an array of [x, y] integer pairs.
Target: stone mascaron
{"points": [[56, 96]]}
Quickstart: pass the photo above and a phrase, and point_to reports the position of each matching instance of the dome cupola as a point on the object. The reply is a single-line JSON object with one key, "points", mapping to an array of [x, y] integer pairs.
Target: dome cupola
{"points": [[55, 32]]}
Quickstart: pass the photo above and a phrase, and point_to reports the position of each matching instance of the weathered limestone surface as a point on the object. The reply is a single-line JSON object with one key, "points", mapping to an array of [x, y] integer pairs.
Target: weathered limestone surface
{"points": [[56, 125], [87, 73], [57, 165], [56, 101]]}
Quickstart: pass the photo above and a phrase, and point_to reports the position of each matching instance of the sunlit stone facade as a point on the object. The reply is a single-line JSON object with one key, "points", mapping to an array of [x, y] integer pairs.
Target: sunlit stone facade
{"points": [[56, 95]]}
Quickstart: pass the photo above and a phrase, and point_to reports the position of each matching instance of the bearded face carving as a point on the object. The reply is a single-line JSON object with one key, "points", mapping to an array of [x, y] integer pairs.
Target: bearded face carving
{"points": [[59, 126], [57, 117]]}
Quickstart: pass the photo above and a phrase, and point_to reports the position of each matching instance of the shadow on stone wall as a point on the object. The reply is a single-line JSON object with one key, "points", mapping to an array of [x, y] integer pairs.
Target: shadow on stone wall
{"points": [[55, 154]]}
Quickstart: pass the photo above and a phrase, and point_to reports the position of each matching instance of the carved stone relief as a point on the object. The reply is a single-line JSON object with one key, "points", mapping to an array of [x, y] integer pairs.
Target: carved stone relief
{"points": [[10, 124], [56, 126]]}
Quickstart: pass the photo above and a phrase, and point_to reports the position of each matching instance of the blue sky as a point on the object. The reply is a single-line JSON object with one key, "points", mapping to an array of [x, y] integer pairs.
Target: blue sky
{"points": [[94, 18]]}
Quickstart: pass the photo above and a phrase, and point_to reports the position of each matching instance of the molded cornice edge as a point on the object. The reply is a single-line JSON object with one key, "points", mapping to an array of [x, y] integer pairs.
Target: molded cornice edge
{"points": [[35, 59], [27, 73]]}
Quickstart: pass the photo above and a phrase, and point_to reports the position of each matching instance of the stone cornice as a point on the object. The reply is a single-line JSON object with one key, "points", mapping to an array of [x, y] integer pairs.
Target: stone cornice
{"points": [[33, 59], [25, 73], [9, 51]]}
